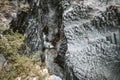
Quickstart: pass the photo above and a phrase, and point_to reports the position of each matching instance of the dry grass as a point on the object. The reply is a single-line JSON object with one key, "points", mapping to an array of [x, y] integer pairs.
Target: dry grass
{"points": [[18, 65]]}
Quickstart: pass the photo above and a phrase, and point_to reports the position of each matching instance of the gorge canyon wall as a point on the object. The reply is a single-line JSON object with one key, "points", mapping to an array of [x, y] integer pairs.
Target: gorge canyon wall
{"points": [[83, 34]]}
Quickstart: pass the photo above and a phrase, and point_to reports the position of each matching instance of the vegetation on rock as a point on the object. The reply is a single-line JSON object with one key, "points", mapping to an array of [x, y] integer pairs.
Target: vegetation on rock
{"points": [[17, 65]]}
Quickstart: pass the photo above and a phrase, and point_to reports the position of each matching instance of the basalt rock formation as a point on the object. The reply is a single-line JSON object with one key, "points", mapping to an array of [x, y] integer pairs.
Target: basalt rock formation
{"points": [[84, 33]]}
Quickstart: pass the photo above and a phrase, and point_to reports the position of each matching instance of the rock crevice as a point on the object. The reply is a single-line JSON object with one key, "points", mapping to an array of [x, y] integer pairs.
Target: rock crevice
{"points": [[85, 34]]}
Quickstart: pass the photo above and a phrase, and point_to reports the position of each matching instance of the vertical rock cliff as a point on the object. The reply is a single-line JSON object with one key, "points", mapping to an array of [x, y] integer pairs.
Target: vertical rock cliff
{"points": [[45, 33], [92, 28], [85, 35]]}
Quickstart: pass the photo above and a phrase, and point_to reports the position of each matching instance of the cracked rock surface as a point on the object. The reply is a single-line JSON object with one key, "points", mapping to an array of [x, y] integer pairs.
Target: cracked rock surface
{"points": [[92, 29], [85, 35]]}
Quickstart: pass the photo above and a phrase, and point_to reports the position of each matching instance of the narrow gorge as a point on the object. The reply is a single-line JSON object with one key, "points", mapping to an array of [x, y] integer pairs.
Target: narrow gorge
{"points": [[82, 37], [76, 39]]}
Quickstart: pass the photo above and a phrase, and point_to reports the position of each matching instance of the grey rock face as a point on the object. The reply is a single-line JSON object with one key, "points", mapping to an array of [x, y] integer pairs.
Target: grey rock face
{"points": [[50, 55], [44, 24], [84, 33], [92, 31], [45, 31]]}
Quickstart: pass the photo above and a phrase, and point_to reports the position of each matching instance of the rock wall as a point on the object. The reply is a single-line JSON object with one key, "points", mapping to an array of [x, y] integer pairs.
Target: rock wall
{"points": [[84, 33], [44, 23], [92, 28], [45, 33]]}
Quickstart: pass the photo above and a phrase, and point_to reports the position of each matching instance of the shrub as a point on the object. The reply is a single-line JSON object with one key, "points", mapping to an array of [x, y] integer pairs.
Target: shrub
{"points": [[17, 65]]}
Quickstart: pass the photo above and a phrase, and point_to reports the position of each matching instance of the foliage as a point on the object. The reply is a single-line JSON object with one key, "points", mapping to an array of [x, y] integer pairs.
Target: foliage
{"points": [[17, 65]]}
